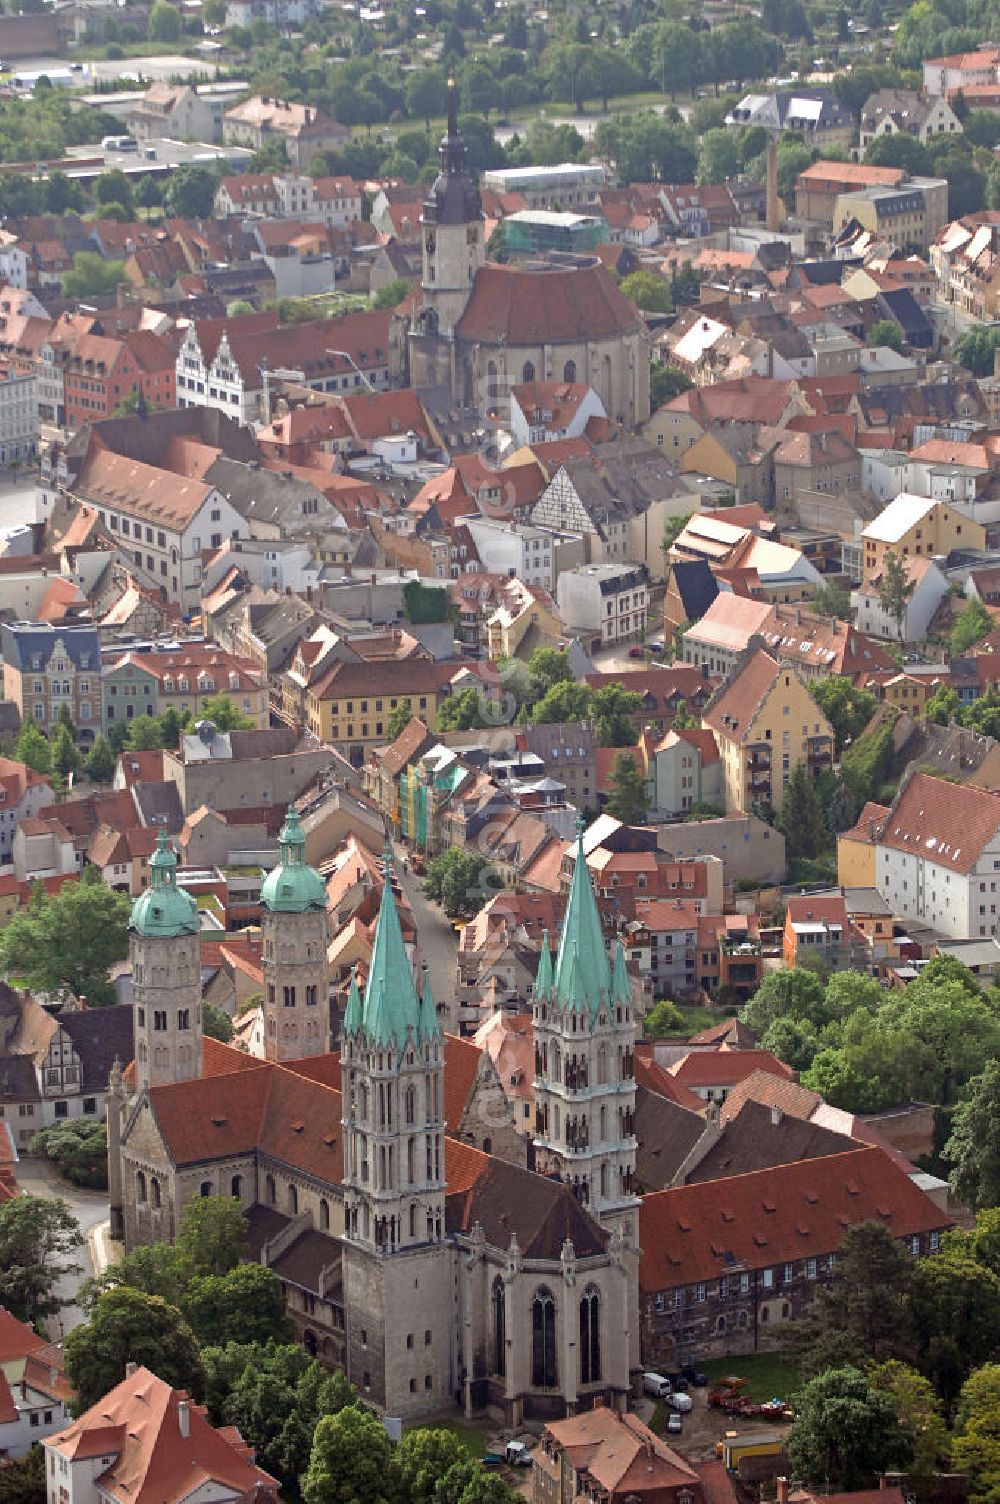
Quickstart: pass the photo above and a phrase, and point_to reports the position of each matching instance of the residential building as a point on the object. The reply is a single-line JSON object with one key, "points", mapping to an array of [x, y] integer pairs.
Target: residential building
{"points": [[910, 216], [35, 1394], [334, 202], [23, 795], [937, 856], [766, 723], [815, 645], [140, 1439], [756, 1247], [302, 128], [916, 527], [685, 770], [178, 112], [18, 415], [351, 703], [818, 463], [966, 261], [818, 188], [930, 587], [893, 112], [100, 372], [46, 667], [751, 850], [619, 1456], [962, 71], [566, 185], [164, 521], [138, 684], [232, 770], [818, 927], [663, 942], [545, 411], [520, 551], [606, 600], [817, 113]]}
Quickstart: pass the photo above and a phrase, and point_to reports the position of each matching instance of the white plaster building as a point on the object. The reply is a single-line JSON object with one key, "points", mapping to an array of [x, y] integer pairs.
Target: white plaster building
{"points": [[524, 552], [609, 600]]}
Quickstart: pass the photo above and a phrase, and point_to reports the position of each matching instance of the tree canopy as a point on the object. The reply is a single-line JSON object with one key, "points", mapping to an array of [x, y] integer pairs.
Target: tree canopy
{"points": [[66, 942]]}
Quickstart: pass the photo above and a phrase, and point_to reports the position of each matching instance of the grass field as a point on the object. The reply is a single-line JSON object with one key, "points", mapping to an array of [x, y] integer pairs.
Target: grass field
{"points": [[695, 1019], [472, 1438], [767, 1374]]}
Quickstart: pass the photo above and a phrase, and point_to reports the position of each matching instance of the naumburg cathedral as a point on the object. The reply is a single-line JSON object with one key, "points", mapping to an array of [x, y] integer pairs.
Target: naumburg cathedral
{"points": [[433, 1273]]}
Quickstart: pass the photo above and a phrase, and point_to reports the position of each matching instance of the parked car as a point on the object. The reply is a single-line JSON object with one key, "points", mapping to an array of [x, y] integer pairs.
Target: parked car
{"points": [[656, 647], [695, 1376], [518, 1454], [656, 1385], [635, 651], [675, 1423], [682, 1402]]}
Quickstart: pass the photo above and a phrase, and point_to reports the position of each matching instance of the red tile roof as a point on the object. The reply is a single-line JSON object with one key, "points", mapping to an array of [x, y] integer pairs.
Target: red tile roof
{"points": [[945, 823], [726, 1067], [695, 1232], [524, 307]]}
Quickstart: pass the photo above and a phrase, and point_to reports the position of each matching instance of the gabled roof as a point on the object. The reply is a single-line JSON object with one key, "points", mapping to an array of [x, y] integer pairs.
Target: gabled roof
{"points": [[945, 823], [529, 307], [732, 710], [724, 1067], [698, 1232]]}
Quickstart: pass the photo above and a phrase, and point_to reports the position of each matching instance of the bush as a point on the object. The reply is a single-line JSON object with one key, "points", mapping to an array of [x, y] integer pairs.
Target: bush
{"points": [[79, 1151]]}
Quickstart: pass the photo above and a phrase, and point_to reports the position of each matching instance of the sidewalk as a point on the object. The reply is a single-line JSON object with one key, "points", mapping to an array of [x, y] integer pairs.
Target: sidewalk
{"points": [[104, 1251]]}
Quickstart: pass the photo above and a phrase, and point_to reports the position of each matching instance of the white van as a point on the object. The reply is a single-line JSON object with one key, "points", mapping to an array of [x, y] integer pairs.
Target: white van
{"points": [[656, 1384], [680, 1402]]}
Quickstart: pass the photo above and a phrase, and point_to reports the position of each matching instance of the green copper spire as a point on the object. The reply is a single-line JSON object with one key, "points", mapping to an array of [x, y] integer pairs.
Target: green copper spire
{"points": [[619, 978], [164, 910], [543, 976], [582, 978], [292, 887], [430, 1024], [391, 1003], [352, 1013]]}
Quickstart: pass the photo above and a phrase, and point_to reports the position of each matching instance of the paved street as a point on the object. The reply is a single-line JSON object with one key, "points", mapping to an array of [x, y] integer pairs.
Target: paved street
{"points": [[438, 941], [37, 1178]]}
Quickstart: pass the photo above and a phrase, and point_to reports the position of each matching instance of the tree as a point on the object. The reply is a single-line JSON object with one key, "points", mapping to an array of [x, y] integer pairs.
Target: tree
{"points": [[400, 718], [956, 1316], [275, 1395], [100, 763], [648, 291], [22, 1480], [33, 748], [36, 1236], [793, 993], [91, 277], [211, 1238], [190, 191], [424, 603], [628, 800], [215, 1023], [833, 600], [547, 668], [900, 150], [672, 529], [568, 700], [973, 622], [66, 942], [886, 332], [244, 1305], [224, 715], [663, 1018], [976, 350], [426, 92], [918, 1411], [149, 194], [351, 1460], [425, 1455], [461, 881], [973, 1148], [165, 23], [112, 187], [393, 293], [895, 588], [66, 758], [868, 1295], [666, 382], [845, 1432], [614, 709], [801, 816], [718, 157], [461, 712], [976, 1442], [846, 707], [792, 158], [78, 1149], [127, 1325]]}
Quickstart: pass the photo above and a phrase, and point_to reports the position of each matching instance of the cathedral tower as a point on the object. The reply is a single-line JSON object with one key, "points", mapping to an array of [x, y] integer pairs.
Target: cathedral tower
{"points": [[584, 1073], [295, 934], [397, 1268], [165, 951]]}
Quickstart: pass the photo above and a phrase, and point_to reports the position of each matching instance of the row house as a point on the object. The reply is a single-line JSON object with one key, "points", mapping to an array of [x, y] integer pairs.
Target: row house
{"points": [[139, 684], [48, 666], [966, 261], [23, 795], [728, 1264], [99, 373]]}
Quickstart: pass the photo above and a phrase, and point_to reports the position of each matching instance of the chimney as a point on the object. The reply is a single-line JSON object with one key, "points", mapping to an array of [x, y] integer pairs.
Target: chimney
{"points": [[130, 1369], [782, 1484], [772, 221], [184, 1417], [776, 1115]]}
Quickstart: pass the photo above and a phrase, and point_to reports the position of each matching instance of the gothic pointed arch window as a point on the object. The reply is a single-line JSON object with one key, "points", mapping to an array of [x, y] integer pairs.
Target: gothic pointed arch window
{"points": [[236, 1187], [590, 1336], [154, 1193], [569, 371], [499, 1327], [543, 1340], [140, 1187], [528, 372], [324, 1214]]}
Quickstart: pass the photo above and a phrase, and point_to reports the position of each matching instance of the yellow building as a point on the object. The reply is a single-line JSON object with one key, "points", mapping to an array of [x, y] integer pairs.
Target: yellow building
{"points": [[510, 623], [351, 706], [917, 527], [856, 848], [766, 723]]}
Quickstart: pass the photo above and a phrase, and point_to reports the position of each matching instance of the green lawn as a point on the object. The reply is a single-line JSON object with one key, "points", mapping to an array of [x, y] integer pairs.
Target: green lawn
{"points": [[768, 1374], [695, 1020], [472, 1438]]}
